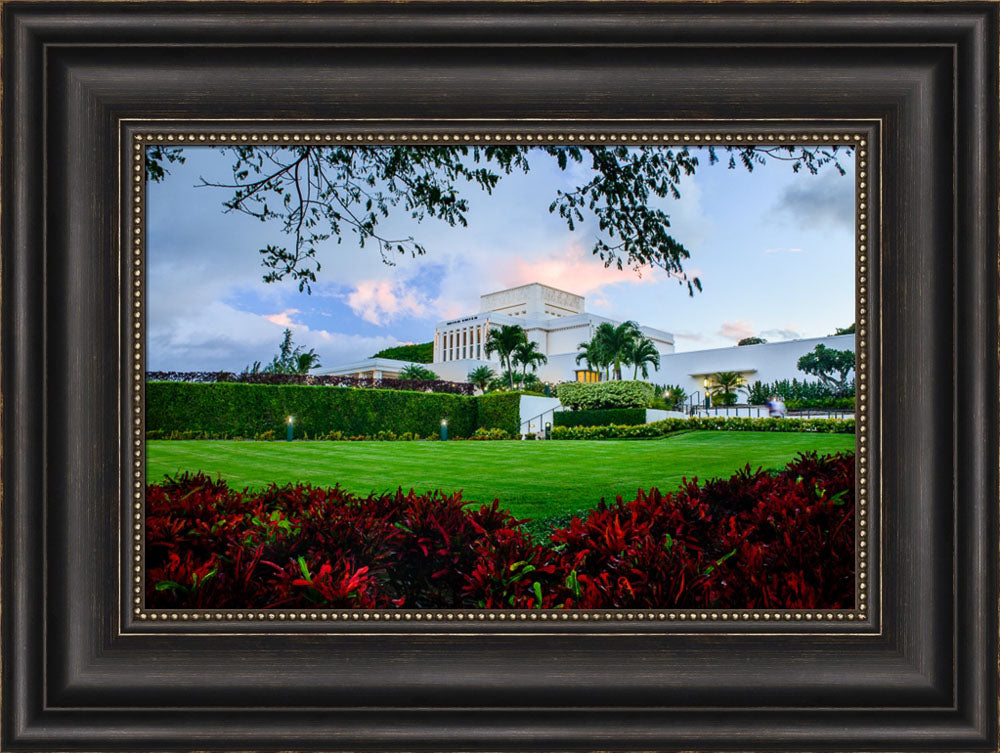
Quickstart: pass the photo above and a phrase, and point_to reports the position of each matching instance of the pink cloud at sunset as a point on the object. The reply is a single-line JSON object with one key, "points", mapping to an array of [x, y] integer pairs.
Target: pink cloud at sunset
{"points": [[283, 319], [573, 269], [736, 330], [378, 301]]}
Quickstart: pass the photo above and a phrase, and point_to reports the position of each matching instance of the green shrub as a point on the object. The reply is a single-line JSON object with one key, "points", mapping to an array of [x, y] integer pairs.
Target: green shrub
{"points": [[499, 410], [672, 425], [793, 389], [603, 395], [826, 403], [621, 416], [261, 410], [482, 434]]}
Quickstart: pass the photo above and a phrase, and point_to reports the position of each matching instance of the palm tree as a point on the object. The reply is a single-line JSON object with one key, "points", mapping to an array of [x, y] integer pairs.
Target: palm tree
{"points": [[590, 353], [675, 395], [306, 361], [528, 355], [481, 377], [641, 352], [531, 382], [724, 386], [416, 371], [503, 341], [614, 342]]}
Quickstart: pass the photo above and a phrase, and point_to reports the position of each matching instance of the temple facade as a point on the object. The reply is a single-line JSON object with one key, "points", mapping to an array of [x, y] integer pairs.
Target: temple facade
{"points": [[555, 320]]}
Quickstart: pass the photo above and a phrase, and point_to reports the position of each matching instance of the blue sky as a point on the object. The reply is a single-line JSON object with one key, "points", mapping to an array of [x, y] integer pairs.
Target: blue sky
{"points": [[773, 249]]}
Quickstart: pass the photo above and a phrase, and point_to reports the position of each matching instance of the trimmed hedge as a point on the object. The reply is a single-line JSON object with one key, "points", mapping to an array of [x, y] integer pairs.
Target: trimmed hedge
{"points": [[499, 410], [603, 395], [672, 425], [826, 403], [250, 410], [619, 416]]}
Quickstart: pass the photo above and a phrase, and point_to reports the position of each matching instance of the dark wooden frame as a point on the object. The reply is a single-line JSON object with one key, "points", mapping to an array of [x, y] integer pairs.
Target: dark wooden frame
{"points": [[921, 677]]}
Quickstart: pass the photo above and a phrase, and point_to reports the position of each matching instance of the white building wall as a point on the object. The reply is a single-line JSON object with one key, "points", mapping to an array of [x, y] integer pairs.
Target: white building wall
{"points": [[768, 362]]}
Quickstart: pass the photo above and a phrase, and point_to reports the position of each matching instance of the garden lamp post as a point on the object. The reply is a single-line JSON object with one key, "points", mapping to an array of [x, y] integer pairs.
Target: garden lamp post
{"points": [[548, 426], [444, 429], [288, 435], [708, 397]]}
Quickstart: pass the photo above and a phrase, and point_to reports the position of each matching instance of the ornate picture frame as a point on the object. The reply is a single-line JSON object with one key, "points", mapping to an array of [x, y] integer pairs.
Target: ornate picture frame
{"points": [[87, 666]]}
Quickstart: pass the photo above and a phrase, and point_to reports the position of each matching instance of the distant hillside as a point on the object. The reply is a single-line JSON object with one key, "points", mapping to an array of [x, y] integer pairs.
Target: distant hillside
{"points": [[418, 353]]}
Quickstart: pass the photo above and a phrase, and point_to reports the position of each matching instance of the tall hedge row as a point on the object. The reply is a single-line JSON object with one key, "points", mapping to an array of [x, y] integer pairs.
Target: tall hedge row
{"points": [[620, 416], [499, 410], [249, 410]]}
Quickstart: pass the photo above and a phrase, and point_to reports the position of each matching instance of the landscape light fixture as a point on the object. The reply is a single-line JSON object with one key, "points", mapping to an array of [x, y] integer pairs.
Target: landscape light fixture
{"points": [[288, 435], [548, 427], [444, 429]]}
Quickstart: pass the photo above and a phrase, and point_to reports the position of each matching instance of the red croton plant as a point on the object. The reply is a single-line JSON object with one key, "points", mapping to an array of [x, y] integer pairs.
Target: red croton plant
{"points": [[755, 540]]}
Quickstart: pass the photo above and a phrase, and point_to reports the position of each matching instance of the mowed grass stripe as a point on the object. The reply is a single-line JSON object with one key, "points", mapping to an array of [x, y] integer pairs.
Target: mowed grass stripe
{"points": [[531, 479]]}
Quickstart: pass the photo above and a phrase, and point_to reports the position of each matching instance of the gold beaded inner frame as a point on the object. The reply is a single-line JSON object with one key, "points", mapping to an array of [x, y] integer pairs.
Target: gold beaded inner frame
{"points": [[136, 136]]}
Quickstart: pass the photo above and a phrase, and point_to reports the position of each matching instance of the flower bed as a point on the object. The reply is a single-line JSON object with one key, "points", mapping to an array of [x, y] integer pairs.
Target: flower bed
{"points": [[754, 540]]}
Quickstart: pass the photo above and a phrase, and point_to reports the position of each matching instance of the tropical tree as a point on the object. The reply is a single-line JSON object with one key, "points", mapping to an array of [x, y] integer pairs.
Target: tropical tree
{"points": [[527, 355], [290, 359], [824, 362], [306, 361], [531, 382], [641, 352], [318, 192], [674, 395], [615, 342], [503, 342], [724, 386], [416, 371], [590, 353], [481, 376]]}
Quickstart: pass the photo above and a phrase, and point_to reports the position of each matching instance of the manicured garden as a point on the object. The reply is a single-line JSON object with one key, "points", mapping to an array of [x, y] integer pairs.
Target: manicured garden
{"points": [[542, 480]]}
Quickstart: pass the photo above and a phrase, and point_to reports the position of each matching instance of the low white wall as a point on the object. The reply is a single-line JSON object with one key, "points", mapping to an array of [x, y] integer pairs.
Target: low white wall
{"points": [[655, 414], [536, 411]]}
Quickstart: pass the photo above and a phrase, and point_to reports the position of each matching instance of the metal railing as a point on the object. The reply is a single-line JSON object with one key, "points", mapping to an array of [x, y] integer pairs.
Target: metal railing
{"points": [[528, 423]]}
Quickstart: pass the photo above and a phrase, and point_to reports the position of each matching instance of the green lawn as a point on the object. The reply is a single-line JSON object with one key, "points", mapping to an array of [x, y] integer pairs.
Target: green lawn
{"points": [[532, 479]]}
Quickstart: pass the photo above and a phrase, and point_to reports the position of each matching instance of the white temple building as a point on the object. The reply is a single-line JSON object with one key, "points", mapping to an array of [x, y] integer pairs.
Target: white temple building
{"points": [[553, 319], [556, 320]]}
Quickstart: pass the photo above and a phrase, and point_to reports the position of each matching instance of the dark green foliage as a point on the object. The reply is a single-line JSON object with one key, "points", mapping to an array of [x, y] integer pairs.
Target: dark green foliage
{"points": [[250, 410], [794, 390], [845, 330], [602, 395], [418, 372], [620, 416], [830, 365], [290, 359], [219, 410], [417, 353], [752, 341], [823, 403], [500, 410]]}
